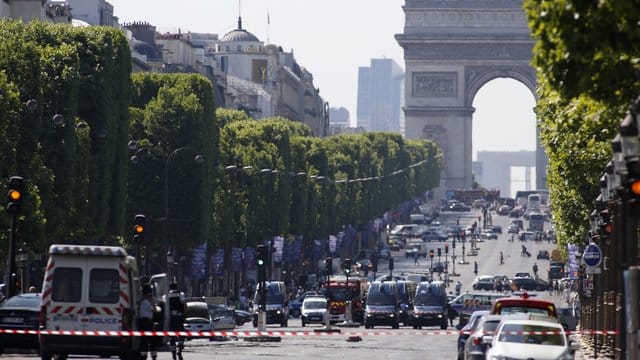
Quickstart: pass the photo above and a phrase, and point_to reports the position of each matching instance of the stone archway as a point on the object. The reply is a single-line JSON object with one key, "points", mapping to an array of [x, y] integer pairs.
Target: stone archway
{"points": [[451, 49]]}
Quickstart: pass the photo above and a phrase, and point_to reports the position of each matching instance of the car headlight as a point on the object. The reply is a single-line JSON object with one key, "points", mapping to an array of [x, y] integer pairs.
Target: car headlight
{"points": [[439, 316], [278, 311], [392, 315]]}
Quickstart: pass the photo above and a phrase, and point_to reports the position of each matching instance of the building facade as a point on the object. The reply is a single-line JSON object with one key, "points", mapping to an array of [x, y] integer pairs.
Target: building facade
{"points": [[380, 96]]}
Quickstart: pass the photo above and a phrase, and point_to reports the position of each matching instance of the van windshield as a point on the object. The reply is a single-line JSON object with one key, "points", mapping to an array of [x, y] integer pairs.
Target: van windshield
{"points": [[428, 300], [380, 299], [271, 298]]}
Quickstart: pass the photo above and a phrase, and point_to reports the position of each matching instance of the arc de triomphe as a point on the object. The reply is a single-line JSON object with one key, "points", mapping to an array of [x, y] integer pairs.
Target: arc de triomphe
{"points": [[451, 49]]}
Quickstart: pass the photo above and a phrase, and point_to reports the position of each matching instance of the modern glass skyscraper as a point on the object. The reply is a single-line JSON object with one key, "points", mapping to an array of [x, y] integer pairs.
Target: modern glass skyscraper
{"points": [[380, 96]]}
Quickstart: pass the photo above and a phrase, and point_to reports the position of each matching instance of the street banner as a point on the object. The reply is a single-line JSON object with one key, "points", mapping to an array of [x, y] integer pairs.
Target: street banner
{"points": [[236, 259], [572, 250], [218, 262], [318, 249], [333, 243], [198, 261], [278, 245], [250, 258], [296, 250]]}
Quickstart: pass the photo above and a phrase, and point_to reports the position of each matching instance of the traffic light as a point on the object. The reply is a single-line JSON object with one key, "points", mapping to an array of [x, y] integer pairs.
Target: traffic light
{"points": [[138, 227], [446, 248], [475, 267], [633, 182], [15, 194], [328, 265], [390, 264], [374, 266], [439, 252], [431, 254], [347, 266], [605, 224], [260, 262]]}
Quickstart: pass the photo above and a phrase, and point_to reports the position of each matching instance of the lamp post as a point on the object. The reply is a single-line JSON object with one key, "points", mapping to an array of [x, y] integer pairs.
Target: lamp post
{"points": [[198, 159], [21, 259], [170, 266]]}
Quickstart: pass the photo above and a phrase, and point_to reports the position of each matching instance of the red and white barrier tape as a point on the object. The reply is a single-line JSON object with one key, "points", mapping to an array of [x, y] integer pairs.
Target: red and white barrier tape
{"points": [[196, 334]]}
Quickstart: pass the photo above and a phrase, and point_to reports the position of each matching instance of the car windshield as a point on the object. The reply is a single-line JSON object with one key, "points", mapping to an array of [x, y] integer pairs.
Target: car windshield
{"points": [[315, 304], [531, 334], [23, 302]]}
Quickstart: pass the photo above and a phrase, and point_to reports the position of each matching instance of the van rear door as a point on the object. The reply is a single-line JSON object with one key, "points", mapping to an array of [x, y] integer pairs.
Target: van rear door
{"points": [[107, 293], [63, 300]]}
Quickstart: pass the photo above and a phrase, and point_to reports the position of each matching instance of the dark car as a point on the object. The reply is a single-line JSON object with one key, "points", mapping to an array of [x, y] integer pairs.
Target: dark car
{"points": [[20, 312], [483, 282], [543, 254], [526, 283], [242, 316], [295, 305]]}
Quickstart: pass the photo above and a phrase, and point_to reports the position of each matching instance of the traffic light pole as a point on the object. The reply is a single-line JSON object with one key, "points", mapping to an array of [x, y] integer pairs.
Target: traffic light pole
{"points": [[11, 284]]}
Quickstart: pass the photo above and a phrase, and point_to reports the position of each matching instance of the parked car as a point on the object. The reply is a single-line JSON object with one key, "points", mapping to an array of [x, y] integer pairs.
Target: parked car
{"points": [[223, 320], [504, 210], [20, 312], [488, 234], [543, 254], [242, 317], [414, 251], [434, 235], [483, 282], [513, 229], [197, 317]]}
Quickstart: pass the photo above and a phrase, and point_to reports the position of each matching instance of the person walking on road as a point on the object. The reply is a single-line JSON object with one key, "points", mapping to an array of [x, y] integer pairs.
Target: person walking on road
{"points": [[535, 270], [458, 287], [501, 258], [175, 303], [145, 321]]}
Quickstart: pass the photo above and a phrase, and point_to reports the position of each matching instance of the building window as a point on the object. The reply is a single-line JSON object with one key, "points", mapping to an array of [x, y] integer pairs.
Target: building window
{"points": [[239, 48], [228, 48]]}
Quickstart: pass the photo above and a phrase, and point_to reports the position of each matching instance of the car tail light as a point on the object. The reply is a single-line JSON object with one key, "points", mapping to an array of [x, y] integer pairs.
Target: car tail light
{"points": [[126, 319], [477, 341], [43, 317]]}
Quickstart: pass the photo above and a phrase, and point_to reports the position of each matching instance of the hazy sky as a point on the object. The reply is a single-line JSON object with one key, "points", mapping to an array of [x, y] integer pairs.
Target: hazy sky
{"points": [[332, 38]]}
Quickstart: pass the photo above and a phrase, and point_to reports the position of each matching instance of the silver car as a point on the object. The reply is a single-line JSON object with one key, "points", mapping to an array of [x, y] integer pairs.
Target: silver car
{"points": [[314, 310]]}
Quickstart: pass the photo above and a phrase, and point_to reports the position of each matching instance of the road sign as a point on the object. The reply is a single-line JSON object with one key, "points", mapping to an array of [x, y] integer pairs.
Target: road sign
{"points": [[592, 255]]}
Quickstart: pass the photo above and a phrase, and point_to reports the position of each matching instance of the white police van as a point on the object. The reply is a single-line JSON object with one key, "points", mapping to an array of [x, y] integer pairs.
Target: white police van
{"points": [[89, 288]]}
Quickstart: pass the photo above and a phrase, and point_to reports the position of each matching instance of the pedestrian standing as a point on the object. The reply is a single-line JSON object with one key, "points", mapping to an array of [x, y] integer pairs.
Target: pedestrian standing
{"points": [[175, 303], [145, 323]]}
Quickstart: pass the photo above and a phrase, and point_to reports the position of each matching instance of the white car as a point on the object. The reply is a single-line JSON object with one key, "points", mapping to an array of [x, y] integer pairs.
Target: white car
{"points": [[529, 339], [313, 311]]}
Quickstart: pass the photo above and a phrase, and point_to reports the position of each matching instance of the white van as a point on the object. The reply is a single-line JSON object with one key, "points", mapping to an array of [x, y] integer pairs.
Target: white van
{"points": [[89, 288]]}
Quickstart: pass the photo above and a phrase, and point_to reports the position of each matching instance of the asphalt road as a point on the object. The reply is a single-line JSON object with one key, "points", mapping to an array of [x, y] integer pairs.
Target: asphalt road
{"points": [[381, 342]]}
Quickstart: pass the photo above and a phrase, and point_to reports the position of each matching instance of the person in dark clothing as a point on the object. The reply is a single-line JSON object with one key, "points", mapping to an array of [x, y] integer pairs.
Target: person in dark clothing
{"points": [[175, 303], [145, 321]]}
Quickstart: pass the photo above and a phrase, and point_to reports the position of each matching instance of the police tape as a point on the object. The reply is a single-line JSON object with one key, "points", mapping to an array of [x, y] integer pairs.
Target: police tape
{"points": [[320, 332]]}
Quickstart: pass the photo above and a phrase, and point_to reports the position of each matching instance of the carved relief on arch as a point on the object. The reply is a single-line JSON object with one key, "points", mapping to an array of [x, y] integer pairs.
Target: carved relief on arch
{"points": [[437, 134]]}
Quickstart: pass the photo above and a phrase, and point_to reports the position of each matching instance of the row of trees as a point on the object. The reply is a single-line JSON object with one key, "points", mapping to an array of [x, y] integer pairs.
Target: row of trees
{"points": [[587, 65], [103, 145]]}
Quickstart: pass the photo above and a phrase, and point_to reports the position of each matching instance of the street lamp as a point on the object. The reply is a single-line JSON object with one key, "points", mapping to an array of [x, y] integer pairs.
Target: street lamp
{"points": [[198, 159]]}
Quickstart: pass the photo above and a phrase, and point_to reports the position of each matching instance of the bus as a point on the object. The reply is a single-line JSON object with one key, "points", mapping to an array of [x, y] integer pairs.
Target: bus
{"points": [[536, 222], [533, 202]]}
